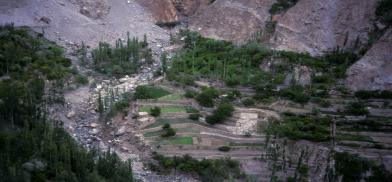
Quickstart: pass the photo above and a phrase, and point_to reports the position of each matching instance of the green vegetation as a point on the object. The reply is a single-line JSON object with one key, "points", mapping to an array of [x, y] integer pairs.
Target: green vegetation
{"points": [[190, 94], [109, 106], [194, 116], [377, 94], [297, 127], [207, 96], [82, 80], [182, 141], [224, 111], [168, 130], [248, 102], [349, 137], [41, 152], [165, 109], [352, 168], [33, 148], [162, 121], [384, 11], [171, 97], [375, 125], [282, 5], [295, 93], [155, 111], [357, 109], [218, 61], [208, 170], [122, 59], [224, 148], [149, 92]]}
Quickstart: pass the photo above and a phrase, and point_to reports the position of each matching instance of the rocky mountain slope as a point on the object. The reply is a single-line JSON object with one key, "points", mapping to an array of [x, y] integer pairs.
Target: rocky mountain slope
{"points": [[71, 21], [374, 70], [232, 20], [316, 26]]}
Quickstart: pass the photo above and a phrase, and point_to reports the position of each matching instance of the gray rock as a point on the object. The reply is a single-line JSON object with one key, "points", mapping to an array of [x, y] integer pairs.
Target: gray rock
{"points": [[34, 165]]}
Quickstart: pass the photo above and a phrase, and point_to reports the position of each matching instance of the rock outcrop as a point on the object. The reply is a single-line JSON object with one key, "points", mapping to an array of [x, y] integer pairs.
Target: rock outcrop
{"points": [[317, 26], [94, 8], [163, 11], [190, 7], [232, 20], [374, 70], [171, 11]]}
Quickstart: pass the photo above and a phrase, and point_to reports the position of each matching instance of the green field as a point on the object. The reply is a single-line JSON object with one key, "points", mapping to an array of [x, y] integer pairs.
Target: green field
{"points": [[171, 97], [182, 141], [178, 130], [161, 121], [165, 109]]}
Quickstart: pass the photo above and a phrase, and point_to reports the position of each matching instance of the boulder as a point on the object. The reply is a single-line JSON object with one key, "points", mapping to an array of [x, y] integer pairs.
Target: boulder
{"points": [[93, 125], [71, 114], [143, 114], [34, 165], [122, 130], [94, 8], [94, 131]]}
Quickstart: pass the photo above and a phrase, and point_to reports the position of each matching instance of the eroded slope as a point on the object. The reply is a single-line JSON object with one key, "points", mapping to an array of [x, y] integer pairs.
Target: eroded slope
{"points": [[374, 70], [317, 26]]}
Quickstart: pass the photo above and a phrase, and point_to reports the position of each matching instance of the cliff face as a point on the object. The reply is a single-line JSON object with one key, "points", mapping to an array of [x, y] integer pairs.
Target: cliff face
{"points": [[374, 70], [232, 20], [316, 26]]}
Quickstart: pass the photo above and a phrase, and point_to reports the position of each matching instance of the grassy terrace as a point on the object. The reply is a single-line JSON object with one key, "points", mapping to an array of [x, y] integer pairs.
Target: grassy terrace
{"points": [[159, 122], [171, 97], [165, 109], [176, 141], [178, 130]]}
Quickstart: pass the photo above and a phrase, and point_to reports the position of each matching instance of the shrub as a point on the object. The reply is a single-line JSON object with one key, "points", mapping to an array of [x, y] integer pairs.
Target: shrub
{"points": [[190, 109], [295, 93], [297, 127], [377, 94], [155, 111], [321, 79], [80, 79], [166, 126], [224, 148], [248, 102], [232, 81], [282, 5], [357, 108], [149, 92], [223, 111], [209, 170], [169, 132], [384, 11], [207, 96], [190, 94], [194, 116], [248, 134]]}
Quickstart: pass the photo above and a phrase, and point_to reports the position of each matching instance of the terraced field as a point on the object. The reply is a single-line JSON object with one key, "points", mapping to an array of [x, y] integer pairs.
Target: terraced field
{"points": [[194, 137]]}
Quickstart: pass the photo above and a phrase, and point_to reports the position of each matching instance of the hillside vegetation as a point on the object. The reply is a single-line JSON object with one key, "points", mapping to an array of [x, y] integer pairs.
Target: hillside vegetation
{"points": [[33, 147]]}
